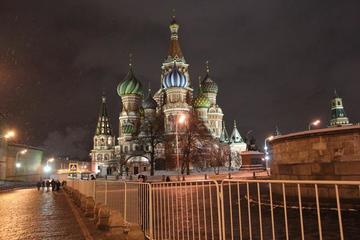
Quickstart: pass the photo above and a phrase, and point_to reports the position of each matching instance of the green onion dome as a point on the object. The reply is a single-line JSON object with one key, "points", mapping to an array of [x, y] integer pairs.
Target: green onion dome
{"points": [[130, 85], [201, 101], [128, 128], [208, 85]]}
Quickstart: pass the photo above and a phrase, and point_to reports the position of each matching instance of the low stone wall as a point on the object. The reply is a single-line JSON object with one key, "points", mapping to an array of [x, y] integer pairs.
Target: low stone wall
{"points": [[105, 218], [324, 154]]}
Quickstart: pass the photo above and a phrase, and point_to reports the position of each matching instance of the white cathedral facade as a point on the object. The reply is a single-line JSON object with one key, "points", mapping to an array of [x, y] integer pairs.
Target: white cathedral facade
{"points": [[175, 98]]}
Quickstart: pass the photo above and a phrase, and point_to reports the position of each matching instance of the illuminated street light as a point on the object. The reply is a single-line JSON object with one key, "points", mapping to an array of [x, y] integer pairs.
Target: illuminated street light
{"points": [[314, 123], [267, 157], [180, 120], [17, 159], [9, 134], [47, 169]]}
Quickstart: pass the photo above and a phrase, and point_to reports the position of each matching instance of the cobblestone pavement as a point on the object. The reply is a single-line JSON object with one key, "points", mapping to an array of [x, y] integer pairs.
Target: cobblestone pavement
{"points": [[29, 214]]}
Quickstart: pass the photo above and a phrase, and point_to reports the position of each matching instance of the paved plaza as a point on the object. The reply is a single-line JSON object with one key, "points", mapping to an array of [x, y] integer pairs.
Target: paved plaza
{"points": [[29, 214]]}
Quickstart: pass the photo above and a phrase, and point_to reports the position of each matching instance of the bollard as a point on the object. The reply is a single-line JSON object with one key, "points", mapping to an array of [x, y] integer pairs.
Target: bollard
{"points": [[183, 177], [82, 202], [254, 176], [89, 207], [96, 211], [133, 232], [103, 218], [206, 176], [229, 175]]}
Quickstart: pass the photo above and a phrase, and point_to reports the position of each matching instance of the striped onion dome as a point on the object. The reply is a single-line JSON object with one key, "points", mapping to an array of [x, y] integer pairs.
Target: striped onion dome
{"points": [[130, 85], [201, 101], [128, 128], [175, 78], [208, 85]]}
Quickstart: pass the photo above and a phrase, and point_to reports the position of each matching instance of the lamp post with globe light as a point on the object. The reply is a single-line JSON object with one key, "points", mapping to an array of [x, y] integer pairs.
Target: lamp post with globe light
{"points": [[47, 168], [179, 120], [314, 123]]}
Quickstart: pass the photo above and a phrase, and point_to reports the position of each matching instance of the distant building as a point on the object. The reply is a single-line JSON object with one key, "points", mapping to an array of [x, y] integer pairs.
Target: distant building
{"points": [[338, 115], [17, 164]]}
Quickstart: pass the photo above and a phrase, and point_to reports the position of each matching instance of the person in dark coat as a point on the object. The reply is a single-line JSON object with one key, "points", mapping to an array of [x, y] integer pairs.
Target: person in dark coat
{"points": [[43, 185], [38, 185], [47, 183]]}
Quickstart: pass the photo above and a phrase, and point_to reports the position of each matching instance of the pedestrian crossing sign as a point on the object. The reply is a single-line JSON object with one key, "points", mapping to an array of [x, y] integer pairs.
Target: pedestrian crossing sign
{"points": [[73, 167]]}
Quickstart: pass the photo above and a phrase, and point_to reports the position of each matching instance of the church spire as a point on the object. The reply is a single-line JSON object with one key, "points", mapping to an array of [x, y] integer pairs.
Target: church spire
{"points": [[338, 115], [174, 53], [103, 126], [224, 136], [235, 135]]}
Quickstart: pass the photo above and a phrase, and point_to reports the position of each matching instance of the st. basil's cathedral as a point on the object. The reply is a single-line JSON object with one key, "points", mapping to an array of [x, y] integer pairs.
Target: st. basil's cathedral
{"points": [[175, 98]]}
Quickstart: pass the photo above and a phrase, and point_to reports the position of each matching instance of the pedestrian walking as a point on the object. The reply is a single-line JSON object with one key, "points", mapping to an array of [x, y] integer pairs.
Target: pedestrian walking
{"points": [[38, 185], [53, 185], [43, 185], [47, 183]]}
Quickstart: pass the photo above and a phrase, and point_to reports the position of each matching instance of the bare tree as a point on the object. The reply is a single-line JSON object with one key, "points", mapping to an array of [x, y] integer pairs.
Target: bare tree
{"points": [[152, 136], [218, 155], [194, 143]]}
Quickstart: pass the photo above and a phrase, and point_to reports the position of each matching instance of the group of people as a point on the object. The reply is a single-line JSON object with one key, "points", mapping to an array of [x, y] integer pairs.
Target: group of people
{"points": [[47, 184]]}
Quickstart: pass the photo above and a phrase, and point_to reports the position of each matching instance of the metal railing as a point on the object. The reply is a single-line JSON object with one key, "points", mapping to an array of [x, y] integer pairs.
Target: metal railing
{"points": [[234, 209], [280, 209]]}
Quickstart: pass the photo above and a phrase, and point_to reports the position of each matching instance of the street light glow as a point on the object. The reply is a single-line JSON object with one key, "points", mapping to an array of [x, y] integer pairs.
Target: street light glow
{"points": [[9, 134], [23, 151], [18, 165], [51, 159], [181, 119], [315, 123], [47, 168]]}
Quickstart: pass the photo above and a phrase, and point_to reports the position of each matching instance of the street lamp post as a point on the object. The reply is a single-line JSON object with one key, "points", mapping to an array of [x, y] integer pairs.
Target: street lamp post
{"points": [[17, 162], [47, 168], [314, 123], [267, 157], [180, 120]]}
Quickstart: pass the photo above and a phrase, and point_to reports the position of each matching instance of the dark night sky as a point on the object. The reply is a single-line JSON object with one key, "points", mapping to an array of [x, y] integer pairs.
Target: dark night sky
{"points": [[276, 62]]}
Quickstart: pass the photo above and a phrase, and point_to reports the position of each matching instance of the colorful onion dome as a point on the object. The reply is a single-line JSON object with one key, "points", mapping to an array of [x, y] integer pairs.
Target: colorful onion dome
{"points": [[175, 78], [128, 128], [149, 102], [130, 85], [208, 85], [201, 101]]}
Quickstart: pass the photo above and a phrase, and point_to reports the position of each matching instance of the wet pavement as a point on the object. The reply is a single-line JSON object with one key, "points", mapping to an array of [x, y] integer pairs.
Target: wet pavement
{"points": [[29, 214]]}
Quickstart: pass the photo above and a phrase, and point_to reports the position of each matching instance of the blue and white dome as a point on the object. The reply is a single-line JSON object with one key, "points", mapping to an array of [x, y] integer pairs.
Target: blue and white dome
{"points": [[175, 78]]}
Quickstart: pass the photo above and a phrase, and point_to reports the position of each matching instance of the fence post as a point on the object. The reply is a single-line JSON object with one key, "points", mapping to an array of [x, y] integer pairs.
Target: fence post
{"points": [[106, 189], [150, 212], [125, 201]]}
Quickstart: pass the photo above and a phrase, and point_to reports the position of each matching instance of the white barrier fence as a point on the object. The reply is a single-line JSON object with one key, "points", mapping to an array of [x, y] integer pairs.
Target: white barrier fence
{"points": [[234, 209]]}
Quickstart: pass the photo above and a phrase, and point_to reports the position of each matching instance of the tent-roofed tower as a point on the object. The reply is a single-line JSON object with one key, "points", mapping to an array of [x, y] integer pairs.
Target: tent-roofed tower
{"points": [[338, 115], [174, 58], [104, 141]]}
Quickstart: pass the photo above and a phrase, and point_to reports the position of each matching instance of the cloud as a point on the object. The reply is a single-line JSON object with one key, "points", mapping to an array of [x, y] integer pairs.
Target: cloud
{"points": [[73, 143]]}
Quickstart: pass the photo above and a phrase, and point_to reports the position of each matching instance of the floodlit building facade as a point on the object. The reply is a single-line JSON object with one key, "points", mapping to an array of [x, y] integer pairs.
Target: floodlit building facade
{"points": [[173, 100]]}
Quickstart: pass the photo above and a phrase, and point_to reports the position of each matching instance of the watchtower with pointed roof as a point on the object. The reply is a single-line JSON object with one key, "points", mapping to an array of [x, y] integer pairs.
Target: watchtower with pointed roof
{"points": [[338, 115], [104, 140]]}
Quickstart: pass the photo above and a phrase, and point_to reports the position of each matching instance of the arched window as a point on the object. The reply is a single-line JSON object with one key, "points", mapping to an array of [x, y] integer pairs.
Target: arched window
{"points": [[106, 157], [99, 157]]}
